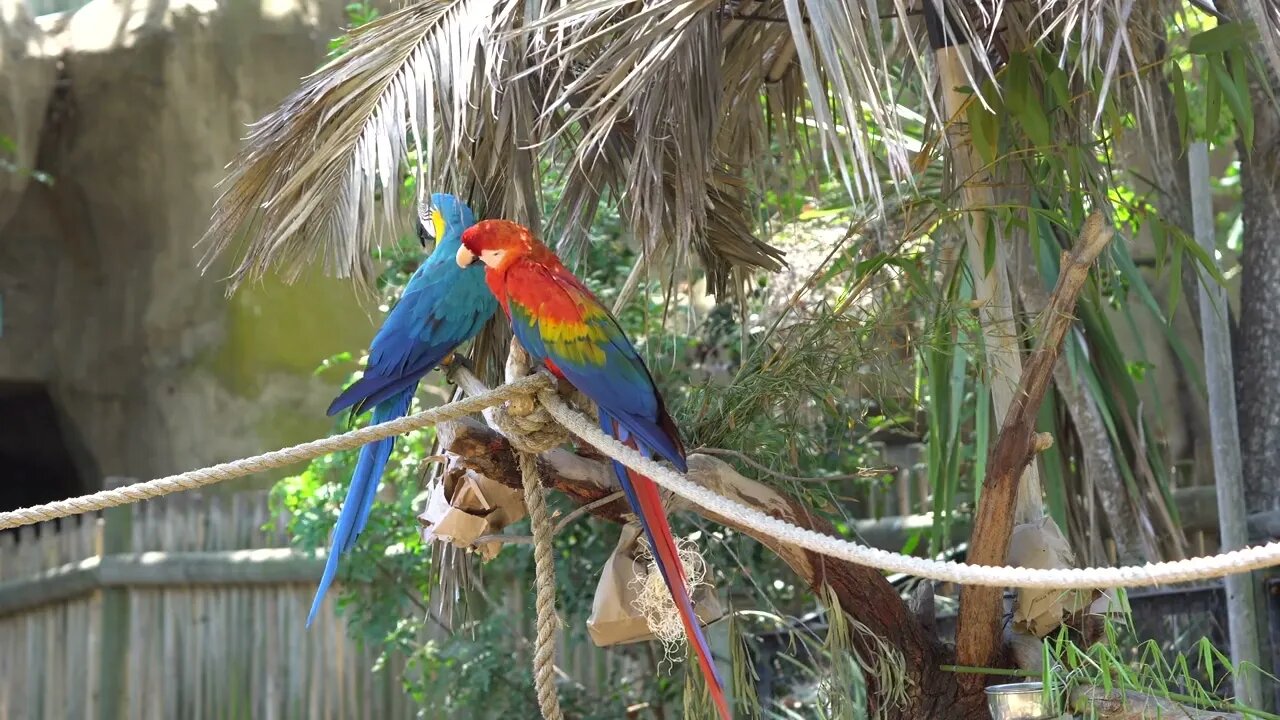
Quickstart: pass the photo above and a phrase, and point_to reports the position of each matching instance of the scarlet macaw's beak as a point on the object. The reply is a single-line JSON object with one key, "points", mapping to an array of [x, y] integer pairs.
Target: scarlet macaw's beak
{"points": [[465, 257]]}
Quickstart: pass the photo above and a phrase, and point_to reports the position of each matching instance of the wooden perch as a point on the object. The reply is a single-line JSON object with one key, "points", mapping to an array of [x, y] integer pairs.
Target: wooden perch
{"points": [[861, 591], [978, 636], [477, 447]]}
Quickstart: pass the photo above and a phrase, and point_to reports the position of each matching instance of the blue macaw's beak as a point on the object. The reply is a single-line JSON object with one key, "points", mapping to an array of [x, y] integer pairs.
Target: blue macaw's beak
{"points": [[465, 257]]}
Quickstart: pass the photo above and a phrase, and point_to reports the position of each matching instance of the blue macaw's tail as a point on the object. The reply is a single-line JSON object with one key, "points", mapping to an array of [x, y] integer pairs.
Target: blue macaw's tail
{"points": [[372, 389], [364, 486], [642, 494]]}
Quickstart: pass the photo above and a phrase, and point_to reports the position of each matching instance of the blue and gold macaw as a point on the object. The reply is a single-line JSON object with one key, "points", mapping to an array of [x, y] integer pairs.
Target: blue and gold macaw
{"points": [[442, 306]]}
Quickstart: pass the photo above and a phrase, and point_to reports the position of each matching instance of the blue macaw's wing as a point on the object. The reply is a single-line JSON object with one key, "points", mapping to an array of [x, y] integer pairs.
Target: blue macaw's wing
{"points": [[559, 322], [442, 307]]}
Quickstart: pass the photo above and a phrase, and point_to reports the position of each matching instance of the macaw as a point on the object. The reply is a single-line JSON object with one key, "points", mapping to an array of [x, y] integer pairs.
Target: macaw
{"points": [[561, 324], [442, 306]]}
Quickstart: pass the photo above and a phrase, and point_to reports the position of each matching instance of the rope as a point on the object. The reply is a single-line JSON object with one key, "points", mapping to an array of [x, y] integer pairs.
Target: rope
{"points": [[268, 461], [531, 430], [1237, 561], [544, 568], [1200, 568]]}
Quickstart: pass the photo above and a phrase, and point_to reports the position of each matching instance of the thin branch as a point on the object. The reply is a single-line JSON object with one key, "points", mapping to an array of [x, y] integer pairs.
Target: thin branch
{"points": [[584, 509], [981, 609], [504, 539], [862, 473]]}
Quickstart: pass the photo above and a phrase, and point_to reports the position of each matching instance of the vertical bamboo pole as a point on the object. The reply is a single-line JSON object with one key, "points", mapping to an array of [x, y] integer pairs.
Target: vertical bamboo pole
{"points": [[1242, 620], [990, 284]]}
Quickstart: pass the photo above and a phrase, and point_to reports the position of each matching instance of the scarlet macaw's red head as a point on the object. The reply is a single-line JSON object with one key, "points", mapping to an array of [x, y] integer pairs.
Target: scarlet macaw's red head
{"points": [[497, 244]]}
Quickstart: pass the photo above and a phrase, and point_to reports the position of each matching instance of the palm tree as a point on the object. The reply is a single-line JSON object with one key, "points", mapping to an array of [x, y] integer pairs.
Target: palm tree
{"points": [[683, 113]]}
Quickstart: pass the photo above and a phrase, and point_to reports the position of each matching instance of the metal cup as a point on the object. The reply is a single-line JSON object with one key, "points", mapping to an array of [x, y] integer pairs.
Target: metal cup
{"points": [[1018, 701]]}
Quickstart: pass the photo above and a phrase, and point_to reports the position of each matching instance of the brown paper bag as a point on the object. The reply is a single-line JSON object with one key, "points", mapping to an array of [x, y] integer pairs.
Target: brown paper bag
{"points": [[459, 511], [614, 618], [1041, 545]]}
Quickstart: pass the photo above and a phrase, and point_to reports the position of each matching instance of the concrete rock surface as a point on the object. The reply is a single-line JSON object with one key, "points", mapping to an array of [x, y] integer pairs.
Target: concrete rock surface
{"points": [[134, 110]]}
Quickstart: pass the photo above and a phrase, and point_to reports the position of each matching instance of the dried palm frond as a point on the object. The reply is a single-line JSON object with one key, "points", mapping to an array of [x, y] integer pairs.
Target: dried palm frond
{"points": [[672, 109], [308, 180], [640, 90]]}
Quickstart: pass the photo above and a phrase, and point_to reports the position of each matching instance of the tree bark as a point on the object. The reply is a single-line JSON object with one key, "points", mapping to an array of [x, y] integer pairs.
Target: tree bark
{"points": [[978, 636], [1258, 352]]}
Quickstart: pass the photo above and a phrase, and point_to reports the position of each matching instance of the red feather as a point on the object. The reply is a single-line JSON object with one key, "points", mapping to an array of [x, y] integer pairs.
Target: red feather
{"points": [[523, 270], [667, 555]]}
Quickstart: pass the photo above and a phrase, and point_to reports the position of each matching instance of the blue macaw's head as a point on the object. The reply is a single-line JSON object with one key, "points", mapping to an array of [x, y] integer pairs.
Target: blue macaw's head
{"points": [[445, 219]]}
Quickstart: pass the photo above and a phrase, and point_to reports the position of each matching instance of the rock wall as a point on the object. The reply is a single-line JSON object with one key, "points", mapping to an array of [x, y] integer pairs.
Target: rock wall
{"points": [[134, 111]]}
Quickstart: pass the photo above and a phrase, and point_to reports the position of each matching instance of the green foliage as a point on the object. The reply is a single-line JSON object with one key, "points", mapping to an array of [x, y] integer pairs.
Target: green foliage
{"points": [[8, 151], [879, 338], [1119, 661]]}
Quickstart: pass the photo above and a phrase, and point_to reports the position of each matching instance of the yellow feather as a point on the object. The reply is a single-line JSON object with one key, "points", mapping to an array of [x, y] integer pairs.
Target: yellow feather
{"points": [[437, 220], [577, 342]]}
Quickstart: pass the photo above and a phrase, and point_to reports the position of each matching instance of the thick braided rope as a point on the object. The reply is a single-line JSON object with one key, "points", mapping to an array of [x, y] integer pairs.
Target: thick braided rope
{"points": [[544, 568], [1238, 561], [193, 479], [1200, 568]]}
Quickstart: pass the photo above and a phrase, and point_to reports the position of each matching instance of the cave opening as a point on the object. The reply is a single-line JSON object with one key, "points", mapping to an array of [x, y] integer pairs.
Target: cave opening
{"points": [[38, 462]]}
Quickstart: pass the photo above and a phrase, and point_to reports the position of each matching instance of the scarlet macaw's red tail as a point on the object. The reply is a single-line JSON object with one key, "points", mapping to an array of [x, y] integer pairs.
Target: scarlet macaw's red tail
{"points": [[647, 503]]}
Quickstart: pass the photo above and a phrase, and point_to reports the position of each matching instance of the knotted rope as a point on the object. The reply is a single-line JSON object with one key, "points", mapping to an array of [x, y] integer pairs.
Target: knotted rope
{"points": [[531, 430], [544, 569]]}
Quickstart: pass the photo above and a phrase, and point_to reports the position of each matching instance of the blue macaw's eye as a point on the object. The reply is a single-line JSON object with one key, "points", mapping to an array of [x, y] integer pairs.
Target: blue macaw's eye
{"points": [[431, 231]]}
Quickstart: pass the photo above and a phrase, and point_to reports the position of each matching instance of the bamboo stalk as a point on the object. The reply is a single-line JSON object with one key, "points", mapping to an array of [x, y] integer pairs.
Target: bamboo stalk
{"points": [[991, 290]]}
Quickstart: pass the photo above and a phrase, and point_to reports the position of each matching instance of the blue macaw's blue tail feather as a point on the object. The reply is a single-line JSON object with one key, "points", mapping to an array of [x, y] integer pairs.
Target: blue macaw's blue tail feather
{"points": [[364, 487], [372, 389], [442, 306]]}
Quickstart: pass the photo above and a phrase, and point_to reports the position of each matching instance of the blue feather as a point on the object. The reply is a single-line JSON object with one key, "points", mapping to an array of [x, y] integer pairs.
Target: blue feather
{"points": [[359, 501], [442, 307]]}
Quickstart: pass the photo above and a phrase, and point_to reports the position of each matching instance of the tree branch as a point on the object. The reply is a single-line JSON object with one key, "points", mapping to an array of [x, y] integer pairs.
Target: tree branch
{"points": [[981, 608], [475, 446], [864, 591]]}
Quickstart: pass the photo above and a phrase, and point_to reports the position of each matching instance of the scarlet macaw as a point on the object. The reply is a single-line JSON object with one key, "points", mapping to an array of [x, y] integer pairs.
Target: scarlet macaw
{"points": [[442, 307], [562, 324]]}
